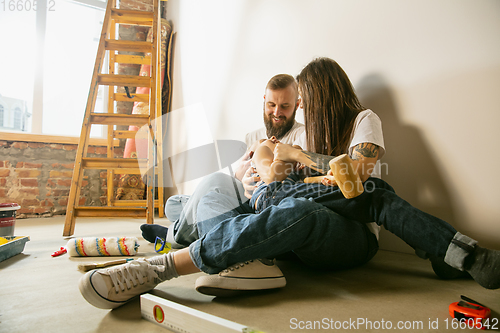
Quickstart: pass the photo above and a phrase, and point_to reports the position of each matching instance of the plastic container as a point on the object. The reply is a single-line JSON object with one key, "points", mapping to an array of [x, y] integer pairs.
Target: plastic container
{"points": [[8, 218], [10, 246]]}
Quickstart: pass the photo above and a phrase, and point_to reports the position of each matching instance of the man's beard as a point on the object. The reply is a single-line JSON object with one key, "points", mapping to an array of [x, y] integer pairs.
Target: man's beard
{"points": [[278, 130]]}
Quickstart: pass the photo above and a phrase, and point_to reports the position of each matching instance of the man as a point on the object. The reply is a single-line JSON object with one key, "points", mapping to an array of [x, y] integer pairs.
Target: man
{"points": [[281, 101]]}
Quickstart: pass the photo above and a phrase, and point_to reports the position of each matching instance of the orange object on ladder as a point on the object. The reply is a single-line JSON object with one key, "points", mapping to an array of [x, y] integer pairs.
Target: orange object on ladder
{"points": [[151, 166]]}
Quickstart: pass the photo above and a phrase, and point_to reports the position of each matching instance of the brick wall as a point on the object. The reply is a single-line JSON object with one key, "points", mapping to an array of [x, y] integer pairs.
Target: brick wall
{"points": [[37, 176]]}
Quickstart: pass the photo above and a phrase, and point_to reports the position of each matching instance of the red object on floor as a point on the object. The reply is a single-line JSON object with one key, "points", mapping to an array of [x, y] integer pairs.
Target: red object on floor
{"points": [[62, 250], [470, 311]]}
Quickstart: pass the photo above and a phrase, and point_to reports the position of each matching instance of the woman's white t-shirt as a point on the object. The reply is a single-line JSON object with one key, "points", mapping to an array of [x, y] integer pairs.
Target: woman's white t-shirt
{"points": [[367, 129]]}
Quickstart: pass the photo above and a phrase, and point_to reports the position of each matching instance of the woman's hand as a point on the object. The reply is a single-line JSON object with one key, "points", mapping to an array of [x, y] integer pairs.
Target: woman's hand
{"points": [[285, 152]]}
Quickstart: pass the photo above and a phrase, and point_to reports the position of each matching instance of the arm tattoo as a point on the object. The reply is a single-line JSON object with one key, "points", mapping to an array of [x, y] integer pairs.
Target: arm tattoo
{"points": [[318, 162], [364, 150], [321, 164]]}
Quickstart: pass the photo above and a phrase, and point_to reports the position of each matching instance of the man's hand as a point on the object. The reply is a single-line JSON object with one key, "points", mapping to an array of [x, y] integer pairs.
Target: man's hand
{"points": [[249, 182], [244, 164]]}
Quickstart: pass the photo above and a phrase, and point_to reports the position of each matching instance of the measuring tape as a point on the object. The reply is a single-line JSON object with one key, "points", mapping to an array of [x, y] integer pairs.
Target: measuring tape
{"points": [[469, 310]]}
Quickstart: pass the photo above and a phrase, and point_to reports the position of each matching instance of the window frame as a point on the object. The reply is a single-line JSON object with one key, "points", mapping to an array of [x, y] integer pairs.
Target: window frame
{"points": [[55, 139]]}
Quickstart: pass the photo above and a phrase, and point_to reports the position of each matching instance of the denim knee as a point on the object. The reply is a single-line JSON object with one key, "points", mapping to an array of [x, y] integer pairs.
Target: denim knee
{"points": [[215, 179], [174, 206]]}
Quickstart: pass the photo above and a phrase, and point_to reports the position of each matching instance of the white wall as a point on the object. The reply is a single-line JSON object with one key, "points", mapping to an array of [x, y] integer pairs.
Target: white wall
{"points": [[429, 68]]}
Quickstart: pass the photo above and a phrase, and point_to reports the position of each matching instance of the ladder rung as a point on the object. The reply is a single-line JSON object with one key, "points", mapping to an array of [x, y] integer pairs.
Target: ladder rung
{"points": [[119, 119], [129, 203], [116, 164], [124, 134], [128, 45], [121, 97], [124, 80], [106, 211], [132, 59], [133, 17], [123, 171]]}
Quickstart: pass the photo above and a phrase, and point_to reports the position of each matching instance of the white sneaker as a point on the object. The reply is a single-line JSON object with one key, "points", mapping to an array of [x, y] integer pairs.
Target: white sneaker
{"points": [[251, 275], [109, 288]]}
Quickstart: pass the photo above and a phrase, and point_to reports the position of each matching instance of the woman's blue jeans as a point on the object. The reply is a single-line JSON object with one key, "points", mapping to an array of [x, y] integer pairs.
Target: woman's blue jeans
{"points": [[307, 219], [347, 244], [318, 236]]}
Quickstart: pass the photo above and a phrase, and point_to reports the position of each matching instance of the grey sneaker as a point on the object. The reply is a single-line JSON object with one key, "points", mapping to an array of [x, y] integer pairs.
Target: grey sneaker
{"points": [[109, 288], [251, 275]]}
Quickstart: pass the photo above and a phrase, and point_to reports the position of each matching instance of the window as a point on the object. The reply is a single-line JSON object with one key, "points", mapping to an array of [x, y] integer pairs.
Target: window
{"points": [[1, 115], [49, 64], [17, 42], [18, 115]]}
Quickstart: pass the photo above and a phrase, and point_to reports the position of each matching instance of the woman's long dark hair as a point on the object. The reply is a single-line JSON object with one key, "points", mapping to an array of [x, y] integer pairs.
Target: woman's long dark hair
{"points": [[330, 106]]}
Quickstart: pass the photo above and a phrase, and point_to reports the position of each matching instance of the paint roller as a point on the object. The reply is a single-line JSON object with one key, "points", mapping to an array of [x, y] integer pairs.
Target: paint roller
{"points": [[102, 247]]}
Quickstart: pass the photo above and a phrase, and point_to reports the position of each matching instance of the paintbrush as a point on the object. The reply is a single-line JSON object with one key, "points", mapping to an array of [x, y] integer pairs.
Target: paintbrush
{"points": [[88, 267]]}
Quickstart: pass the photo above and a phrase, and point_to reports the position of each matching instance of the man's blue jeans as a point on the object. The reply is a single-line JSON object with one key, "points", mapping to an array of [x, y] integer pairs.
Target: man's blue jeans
{"points": [[298, 217], [183, 209]]}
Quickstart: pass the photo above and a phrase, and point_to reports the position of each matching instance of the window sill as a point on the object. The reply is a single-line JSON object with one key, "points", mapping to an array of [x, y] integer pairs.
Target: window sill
{"points": [[43, 138]]}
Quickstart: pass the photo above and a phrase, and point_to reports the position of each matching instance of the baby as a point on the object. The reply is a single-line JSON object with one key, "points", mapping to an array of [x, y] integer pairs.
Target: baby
{"points": [[268, 169]]}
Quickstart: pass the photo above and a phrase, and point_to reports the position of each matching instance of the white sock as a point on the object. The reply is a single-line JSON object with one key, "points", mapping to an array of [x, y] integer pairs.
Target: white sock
{"points": [[166, 260]]}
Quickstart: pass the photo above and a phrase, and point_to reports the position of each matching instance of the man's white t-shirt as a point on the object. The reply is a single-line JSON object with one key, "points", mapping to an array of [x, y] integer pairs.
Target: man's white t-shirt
{"points": [[290, 137], [367, 128]]}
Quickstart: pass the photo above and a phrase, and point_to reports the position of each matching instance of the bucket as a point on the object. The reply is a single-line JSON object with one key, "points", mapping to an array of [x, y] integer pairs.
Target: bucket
{"points": [[8, 218]]}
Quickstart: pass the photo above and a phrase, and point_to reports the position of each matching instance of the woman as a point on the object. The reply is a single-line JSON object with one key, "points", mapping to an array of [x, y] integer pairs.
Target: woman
{"points": [[304, 218]]}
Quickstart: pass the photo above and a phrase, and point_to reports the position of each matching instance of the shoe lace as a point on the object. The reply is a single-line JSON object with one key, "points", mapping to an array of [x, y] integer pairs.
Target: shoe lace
{"points": [[237, 266], [133, 273]]}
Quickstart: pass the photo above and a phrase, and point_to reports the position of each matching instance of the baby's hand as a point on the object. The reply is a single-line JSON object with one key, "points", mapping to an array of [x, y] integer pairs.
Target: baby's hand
{"points": [[329, 180], [299, 166]]}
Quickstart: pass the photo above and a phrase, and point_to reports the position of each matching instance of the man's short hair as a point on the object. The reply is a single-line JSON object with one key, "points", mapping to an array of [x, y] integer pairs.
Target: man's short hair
{"points": [[281, 81]]}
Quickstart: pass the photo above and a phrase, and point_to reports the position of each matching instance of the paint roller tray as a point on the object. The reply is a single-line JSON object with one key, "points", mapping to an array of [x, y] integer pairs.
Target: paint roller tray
{"points": [[11, 245]]}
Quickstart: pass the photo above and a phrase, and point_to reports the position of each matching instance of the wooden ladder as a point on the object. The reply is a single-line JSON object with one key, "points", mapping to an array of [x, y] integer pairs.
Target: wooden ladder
{"points": [[151, 166]]}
